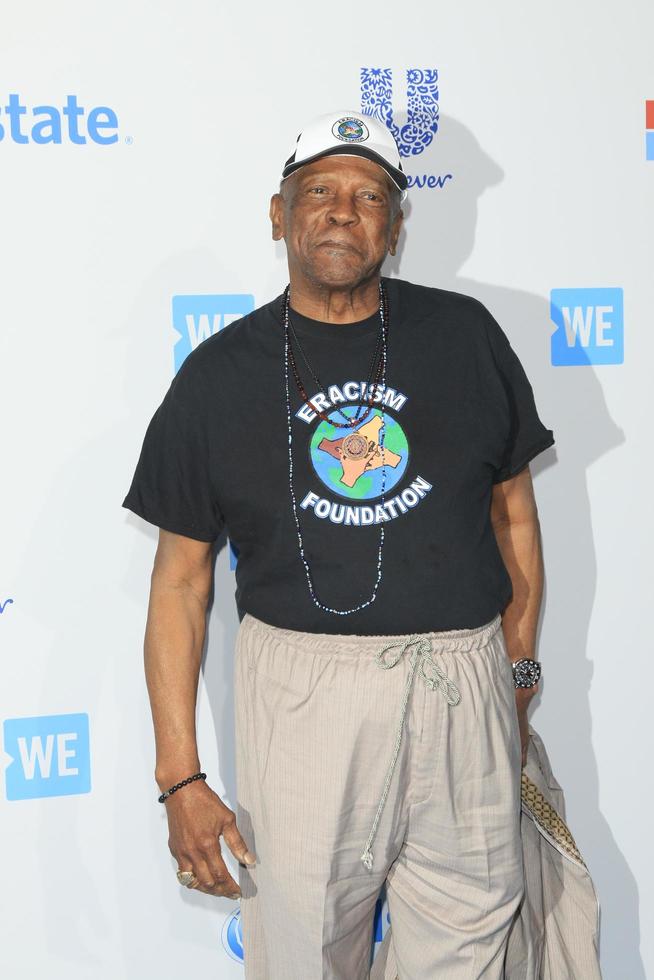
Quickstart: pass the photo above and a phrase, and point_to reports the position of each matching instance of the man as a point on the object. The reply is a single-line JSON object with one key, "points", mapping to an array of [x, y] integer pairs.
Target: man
{"points": [[366, 443]]}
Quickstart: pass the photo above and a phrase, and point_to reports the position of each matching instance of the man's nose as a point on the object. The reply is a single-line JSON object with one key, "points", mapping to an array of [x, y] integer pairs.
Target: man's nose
{"points": [[342, 210]]}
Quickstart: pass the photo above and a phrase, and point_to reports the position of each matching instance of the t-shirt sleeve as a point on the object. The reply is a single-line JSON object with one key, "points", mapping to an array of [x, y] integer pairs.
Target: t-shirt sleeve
{"points": [[526, 436], [172, 485]]}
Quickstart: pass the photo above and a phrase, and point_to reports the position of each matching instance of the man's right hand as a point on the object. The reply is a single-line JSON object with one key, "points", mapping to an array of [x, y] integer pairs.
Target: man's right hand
{"points": [[197, 817]]}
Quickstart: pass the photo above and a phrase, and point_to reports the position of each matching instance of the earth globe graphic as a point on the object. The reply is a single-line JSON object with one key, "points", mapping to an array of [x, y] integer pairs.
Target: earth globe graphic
{"points": [[368, 484]]}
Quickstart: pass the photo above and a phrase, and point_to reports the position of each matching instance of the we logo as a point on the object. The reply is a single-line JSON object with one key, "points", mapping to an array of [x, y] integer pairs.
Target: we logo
{"points": [[590, 326], [197, 317], [49, 756]]}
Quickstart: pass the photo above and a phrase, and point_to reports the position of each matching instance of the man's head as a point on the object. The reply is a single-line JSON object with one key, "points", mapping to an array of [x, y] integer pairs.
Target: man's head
{"points": [[338, 207]]}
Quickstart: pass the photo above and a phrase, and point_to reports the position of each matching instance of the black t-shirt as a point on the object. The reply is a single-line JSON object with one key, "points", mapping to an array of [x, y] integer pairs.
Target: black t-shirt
{"points": [[459, 416]]}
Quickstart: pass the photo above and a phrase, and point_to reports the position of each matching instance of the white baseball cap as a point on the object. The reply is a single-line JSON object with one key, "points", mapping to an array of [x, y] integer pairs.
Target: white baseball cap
{"points": [[349, 133]]}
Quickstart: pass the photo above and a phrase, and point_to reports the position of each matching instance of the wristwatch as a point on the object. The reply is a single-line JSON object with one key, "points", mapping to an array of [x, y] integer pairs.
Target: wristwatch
{"points": [[526, 672]]}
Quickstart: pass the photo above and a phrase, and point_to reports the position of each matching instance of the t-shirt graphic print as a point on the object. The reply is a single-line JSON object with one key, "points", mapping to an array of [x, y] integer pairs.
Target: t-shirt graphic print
{"points": [[359, 463]]}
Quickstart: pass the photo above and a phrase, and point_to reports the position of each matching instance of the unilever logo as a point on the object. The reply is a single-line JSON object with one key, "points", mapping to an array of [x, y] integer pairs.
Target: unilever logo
{"points": [[590, 326], [49, 756], [417, 134], [48, 124]]}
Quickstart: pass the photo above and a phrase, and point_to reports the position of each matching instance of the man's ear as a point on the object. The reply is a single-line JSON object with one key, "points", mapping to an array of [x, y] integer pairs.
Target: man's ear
{"points": [[395, 231], [276, 214]]}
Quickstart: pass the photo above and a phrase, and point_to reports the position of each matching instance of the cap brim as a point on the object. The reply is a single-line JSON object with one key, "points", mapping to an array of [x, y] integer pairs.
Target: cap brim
{"points": [[398, 177]]}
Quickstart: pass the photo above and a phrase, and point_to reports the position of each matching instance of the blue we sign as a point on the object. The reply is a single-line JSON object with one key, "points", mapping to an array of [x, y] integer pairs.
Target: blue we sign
{"points": [[590, 326], [49, 756], [195, 318]]}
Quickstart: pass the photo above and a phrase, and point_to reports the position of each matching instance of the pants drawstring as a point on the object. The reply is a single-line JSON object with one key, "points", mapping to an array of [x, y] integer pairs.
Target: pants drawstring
{"points": [[435, 679]]}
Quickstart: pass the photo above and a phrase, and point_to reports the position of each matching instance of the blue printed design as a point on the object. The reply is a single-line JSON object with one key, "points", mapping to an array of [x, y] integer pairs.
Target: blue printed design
{"points": [[590, 326], [381, 921], [422, 106], [232, 936], [195, 318], [49, 756]]}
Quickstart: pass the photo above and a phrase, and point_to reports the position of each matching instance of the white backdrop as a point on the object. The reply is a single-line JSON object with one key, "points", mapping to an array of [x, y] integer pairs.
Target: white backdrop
{"points": [[542, 129]]}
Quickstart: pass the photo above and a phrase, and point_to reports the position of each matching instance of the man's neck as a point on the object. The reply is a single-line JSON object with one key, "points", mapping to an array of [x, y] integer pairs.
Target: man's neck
{"points": [[336, 304]]}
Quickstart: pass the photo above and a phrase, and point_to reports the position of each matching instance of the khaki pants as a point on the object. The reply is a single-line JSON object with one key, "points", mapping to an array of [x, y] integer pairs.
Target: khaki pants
{"points": [[369, 759]]}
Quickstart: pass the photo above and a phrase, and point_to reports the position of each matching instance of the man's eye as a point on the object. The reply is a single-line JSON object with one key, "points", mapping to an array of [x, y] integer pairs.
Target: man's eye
{"points": [[312, 189]]}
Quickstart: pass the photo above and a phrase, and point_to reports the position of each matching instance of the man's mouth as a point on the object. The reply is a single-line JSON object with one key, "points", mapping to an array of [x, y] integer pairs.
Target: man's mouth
{"points": [[331, 244]]}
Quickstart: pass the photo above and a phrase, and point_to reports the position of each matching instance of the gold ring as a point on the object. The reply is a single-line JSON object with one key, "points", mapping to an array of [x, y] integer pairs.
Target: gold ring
{"points": [[186, 878]]}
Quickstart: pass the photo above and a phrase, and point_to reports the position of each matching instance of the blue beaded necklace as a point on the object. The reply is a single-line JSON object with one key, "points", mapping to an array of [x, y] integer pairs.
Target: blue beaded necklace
{"points": [[383, 307]]}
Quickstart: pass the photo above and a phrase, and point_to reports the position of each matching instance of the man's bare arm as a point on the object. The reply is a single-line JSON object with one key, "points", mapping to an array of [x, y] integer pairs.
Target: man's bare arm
{"points": [[174, 637], [514, 516], [179, 592]]}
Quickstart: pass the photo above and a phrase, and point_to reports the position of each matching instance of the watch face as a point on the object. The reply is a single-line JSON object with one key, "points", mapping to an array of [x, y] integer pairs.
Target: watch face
{"points": [[526, 672]]}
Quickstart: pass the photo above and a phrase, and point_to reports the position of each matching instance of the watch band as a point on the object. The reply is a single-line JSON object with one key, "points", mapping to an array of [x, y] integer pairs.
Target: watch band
{"points": [[526, 672]]}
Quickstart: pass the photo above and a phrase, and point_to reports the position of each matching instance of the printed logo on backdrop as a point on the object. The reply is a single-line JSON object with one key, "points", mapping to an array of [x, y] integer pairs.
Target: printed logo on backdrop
{"points": [[195, 318], [71, 123], [232, 936], [416, 135], [649, 129], [381, 922], [4, 603], [350, 461], [49, 756], [232, 931], [590, 326]]}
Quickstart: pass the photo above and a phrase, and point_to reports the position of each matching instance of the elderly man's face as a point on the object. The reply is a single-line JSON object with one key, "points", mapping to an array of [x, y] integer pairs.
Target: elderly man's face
{"points": [[339, 216]]}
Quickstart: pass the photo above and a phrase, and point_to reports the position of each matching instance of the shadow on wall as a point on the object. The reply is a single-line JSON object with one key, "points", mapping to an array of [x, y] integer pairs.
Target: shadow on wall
{"points": [[437, 239]]}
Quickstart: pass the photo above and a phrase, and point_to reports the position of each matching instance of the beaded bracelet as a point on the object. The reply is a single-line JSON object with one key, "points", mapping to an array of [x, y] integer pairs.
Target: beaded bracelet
{"points": [[169, 792]]}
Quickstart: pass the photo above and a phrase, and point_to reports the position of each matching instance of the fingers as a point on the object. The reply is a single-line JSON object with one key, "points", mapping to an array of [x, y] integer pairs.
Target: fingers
{"points": [[214, 875], [213, 880], [196, 826], [216, 890], [211, 873], [223, 881], [235, 842]]}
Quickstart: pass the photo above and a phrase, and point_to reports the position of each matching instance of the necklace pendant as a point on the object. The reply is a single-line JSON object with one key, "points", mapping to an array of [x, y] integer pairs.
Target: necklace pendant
{"points": [[354, 446]]}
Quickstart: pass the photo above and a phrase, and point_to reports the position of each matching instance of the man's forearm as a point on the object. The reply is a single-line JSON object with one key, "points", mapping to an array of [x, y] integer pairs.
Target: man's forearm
{"points": [[520, 546], [174, 638]]}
